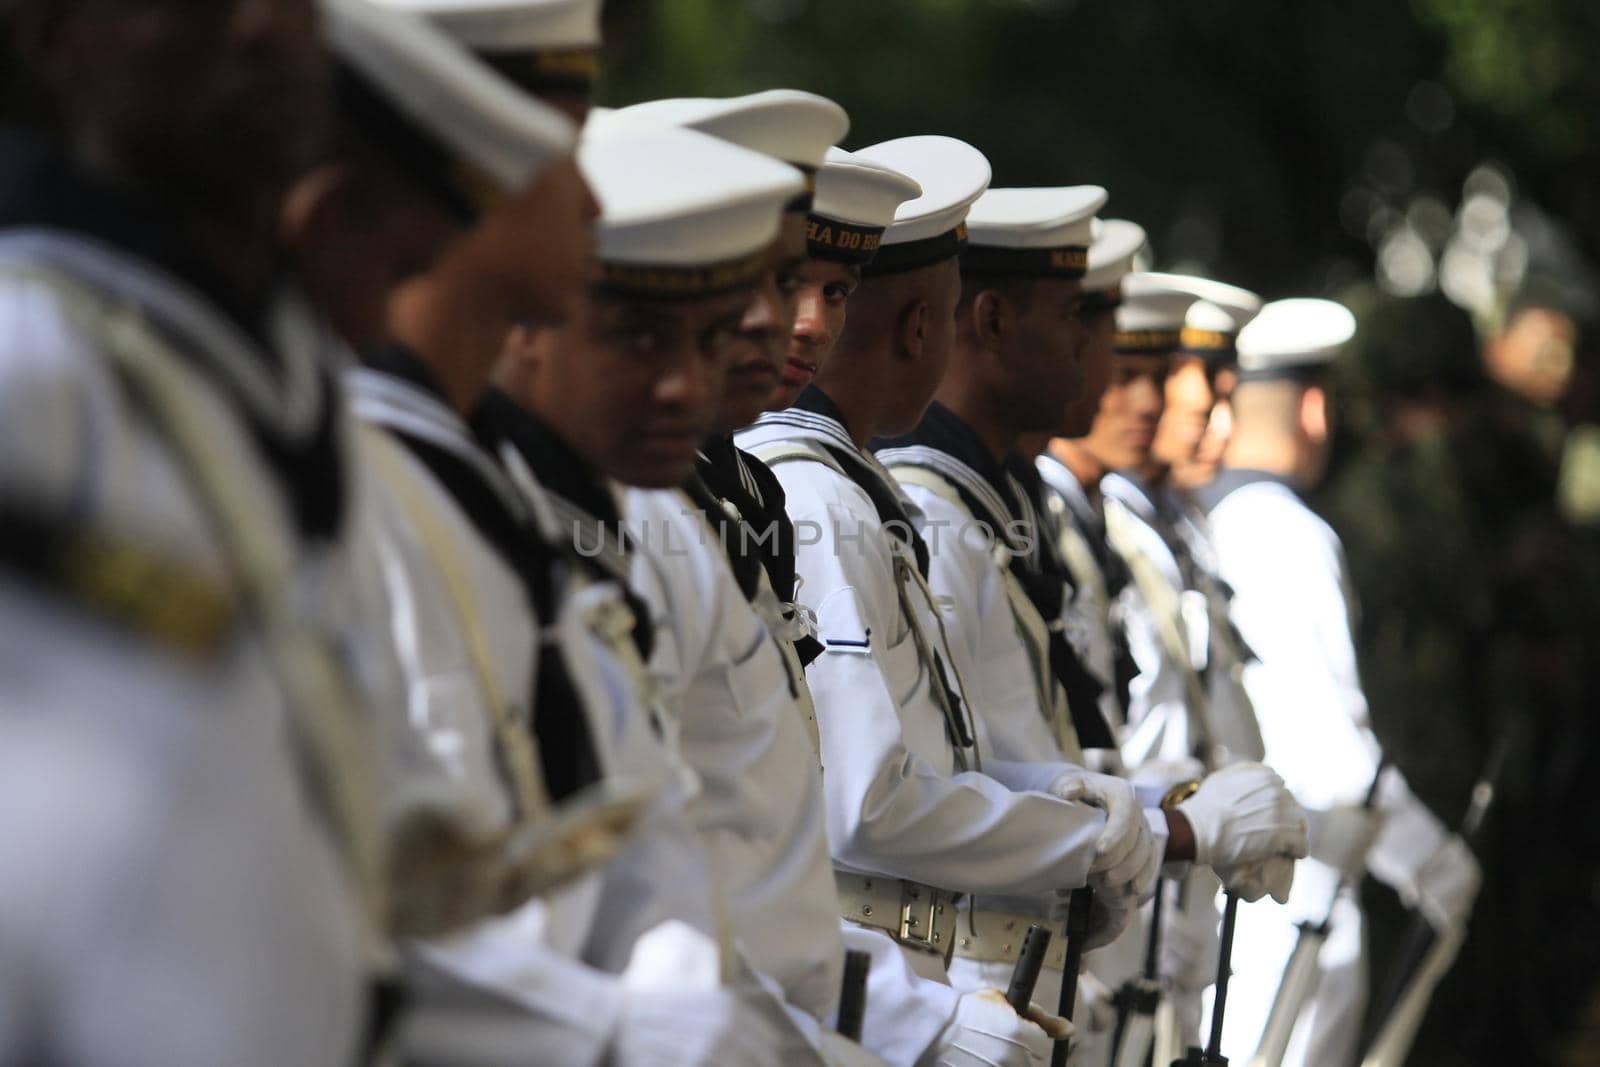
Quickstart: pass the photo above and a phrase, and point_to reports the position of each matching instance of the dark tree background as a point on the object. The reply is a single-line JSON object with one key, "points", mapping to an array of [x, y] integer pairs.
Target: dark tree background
{"points": [[1280, 146]]}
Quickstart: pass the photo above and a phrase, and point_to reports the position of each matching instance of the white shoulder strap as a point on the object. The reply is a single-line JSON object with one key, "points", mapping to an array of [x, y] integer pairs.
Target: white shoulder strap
{"points": [[1032, 628], [792, 451]]}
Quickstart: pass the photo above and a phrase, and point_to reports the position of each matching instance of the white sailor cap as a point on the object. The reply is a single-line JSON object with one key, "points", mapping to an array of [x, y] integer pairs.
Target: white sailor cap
{"points": [[1039, 231], [1151, 315], [683, 215], [456, 127], [1219, 313], [556, 43], [933, 227], [788, 124], [1116, 244], [1292, 338], [854, 203]]}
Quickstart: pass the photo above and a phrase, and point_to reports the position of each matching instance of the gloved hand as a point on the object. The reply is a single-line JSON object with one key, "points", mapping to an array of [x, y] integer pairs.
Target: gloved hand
{"points": [[986, 1032], [1125, 861], [1447, 884], [1341, 837], [678, 1013], [1243, 815]]}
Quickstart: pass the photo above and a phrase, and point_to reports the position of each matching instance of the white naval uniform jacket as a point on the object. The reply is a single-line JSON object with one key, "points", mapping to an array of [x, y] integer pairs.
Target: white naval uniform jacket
{"points": [[175, 892], [541, 977], [1294, 605], [1165, 722], [897, 805], [726, 689], [997, 638]]}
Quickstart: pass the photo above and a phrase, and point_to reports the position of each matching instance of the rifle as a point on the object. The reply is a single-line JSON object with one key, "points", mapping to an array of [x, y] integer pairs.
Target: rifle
{"points": [[1025, 975], [853, 994], [1300, 973], [1212, 1055], [1079, 907], [1427, 953]]}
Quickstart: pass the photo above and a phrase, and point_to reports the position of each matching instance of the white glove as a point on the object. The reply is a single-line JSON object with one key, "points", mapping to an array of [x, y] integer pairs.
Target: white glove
{"points": [[1342, 837], [1447, 884], [1243, 815], [678, 1013], [1125, 861], [986, 1032]]}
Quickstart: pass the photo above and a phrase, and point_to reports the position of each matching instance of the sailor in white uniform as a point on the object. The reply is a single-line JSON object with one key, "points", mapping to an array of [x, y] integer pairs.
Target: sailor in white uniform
{"points": [[1293, 604], [1016, 369], [192, 871], [1079, 523], [915, 810], [733, 693], [474, 563]]}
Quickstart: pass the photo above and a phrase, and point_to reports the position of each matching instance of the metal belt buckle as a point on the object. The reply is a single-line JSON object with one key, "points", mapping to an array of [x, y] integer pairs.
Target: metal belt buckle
{"points": [[922, 911]]}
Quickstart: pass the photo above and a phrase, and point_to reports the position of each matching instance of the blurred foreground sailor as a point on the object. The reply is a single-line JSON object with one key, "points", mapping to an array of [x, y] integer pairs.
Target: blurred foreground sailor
{"points": [[1294, 606], [913, 818], [548, 48], [192, 861]]}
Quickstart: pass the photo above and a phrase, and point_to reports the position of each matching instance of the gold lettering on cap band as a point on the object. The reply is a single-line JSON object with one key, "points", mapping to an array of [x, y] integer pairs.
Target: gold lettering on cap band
{"points": [[1140, 342], [581, 63], [1066, 261], [682, 283], [840, 241], [1206, 343]]}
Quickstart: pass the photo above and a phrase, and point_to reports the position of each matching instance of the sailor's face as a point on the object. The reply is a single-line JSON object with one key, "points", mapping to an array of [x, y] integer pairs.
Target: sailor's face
{"points": [[1125, 426], [1187, 412], [209, 103], [1099, 349], [536, 248], [757, 363], [634, 385], [1050, 337], [819, 320]]}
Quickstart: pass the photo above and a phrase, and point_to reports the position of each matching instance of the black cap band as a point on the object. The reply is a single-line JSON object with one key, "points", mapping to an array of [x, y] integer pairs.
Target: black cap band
{"points": [[842, 242], [1067, 261], [914, 255], [671, 282], [1096, 301], [1304, 373], [1213, 346]]}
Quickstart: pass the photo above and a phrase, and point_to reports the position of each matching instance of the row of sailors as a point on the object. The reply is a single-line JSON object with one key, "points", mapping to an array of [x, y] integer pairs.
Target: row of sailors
{"points": [[629, 631]]}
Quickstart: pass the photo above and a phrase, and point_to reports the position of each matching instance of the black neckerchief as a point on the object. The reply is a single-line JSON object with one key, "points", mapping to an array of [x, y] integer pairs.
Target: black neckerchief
{"points": [[1045, 585], [1230, 478], [566, 749], [1049, 585], [40, 188], [498, 421]]}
